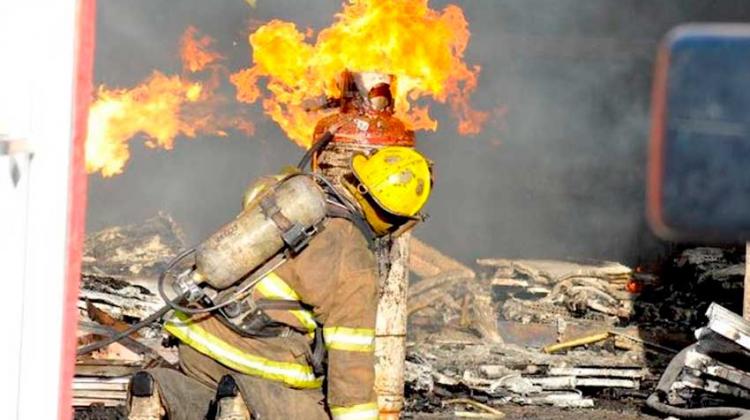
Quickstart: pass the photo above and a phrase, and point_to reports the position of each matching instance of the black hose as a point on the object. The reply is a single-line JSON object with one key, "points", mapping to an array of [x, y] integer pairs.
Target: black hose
{"points": [[670, 375], [107, 331], [322, 141], [119, 336], [151, 318], [654, 402], [175, 303]]}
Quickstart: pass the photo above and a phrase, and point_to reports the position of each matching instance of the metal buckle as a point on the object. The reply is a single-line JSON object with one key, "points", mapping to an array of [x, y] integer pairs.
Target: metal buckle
{"points": [[297, 237], [185, 285]]}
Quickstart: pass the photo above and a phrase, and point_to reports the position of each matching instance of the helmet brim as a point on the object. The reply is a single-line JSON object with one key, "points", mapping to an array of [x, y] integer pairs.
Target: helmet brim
{"points": [[358, 162]]}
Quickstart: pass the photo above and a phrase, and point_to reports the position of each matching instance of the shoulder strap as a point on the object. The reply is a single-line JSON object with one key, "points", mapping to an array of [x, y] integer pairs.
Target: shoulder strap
{"points": [[357, 218], [284, 305]]}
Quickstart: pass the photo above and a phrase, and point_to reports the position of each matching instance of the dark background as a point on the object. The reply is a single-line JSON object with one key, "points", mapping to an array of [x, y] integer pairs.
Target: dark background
{"points": [[562, 175]]}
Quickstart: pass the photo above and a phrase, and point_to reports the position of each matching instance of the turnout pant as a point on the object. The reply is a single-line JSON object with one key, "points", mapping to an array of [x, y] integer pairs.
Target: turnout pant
{"points": [[187, 394]]}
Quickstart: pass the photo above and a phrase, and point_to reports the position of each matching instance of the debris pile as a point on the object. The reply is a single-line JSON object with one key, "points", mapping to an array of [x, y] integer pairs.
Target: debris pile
{"points": [[560, 333], [518, 332], [501, 374], [118, 287], [532, 332], [714, 372], [531, 292], [681, 294], [543, 290]]}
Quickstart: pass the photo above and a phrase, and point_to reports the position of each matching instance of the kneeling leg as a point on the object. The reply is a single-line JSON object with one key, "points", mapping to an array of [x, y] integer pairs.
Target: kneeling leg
{"points": [[229, 402]]}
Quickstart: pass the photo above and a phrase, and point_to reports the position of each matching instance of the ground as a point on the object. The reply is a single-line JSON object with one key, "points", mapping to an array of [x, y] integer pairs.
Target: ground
{"points": [[553, 413], [613, 411], [511, 412]]}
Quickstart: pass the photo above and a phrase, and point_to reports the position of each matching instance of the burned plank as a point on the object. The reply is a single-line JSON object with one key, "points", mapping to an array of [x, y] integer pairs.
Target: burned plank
{"points": [[505, 373], [132, 252], [426, 261], [108, 392], [439, 274]]}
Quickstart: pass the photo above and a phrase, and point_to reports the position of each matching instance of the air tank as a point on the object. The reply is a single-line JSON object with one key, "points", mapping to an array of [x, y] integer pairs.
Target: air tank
{"points": [[244, 244]]}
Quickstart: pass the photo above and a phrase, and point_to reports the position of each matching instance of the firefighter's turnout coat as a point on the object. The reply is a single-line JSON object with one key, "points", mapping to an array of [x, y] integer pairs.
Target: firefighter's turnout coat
{"points": [[335, 276]]}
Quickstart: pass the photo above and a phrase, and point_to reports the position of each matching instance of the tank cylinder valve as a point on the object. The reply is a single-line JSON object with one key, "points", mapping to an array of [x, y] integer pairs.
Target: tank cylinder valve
{"points": [[187, 284]]}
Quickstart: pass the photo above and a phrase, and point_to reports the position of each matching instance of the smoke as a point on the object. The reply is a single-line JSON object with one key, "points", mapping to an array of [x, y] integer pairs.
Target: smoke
{"points": [[558, 173]]}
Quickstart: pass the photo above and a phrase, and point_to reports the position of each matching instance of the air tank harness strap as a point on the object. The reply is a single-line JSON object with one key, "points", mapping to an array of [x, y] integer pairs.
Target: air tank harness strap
{"points": [[295, 236], [259, 324], [281, 305], [318, 356], [356, 218], [249, 319]]}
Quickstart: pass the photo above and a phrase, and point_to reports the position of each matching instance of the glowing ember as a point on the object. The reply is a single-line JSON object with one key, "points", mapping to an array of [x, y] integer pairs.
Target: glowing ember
{"points": [[152, 108], [634, 286], [195, 52], [422, 47]]}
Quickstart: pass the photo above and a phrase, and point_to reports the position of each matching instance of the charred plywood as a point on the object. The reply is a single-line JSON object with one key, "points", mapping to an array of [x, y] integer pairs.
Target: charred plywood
{"points": [[136, 252], [120, 269], [121, 265]]}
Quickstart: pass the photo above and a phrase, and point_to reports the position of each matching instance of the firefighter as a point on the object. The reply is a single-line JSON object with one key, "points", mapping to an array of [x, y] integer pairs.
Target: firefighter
{"points": [[280, 373]]}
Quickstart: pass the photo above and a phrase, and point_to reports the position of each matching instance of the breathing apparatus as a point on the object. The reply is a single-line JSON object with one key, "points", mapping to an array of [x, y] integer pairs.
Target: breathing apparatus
{"points": [[280, 217]]}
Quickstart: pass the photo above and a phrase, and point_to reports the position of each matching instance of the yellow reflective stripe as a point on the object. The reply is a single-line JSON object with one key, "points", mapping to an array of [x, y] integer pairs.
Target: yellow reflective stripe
{"points": [[292, 374], [367, 411], [349, 339], [273, 287], [306, 318]]}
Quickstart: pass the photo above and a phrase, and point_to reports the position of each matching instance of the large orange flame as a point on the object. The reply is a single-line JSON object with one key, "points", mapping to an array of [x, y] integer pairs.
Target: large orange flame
{"points": [[422, 47], [152, 108], [160, 108]]}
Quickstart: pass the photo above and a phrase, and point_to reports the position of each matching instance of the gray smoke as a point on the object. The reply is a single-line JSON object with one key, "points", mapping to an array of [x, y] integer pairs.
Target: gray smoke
{"points": [[562, 175]]}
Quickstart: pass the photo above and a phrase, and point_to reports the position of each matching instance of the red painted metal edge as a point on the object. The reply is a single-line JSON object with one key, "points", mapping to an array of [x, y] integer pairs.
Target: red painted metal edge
{"points": [[656, 147], [84, 63]]}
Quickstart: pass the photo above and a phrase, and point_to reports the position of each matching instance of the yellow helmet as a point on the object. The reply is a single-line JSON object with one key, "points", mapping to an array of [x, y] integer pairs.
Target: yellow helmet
{"points": [[397, 178]]}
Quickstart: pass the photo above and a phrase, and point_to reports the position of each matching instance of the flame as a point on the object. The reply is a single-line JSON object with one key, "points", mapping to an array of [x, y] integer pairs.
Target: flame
{"points": [[152, 108], [422, 47], [160, 108], [195, 52]]}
